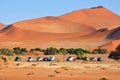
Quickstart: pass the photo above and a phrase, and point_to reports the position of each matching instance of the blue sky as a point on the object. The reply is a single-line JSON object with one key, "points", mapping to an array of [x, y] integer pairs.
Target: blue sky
{"points": [[15, 10]]}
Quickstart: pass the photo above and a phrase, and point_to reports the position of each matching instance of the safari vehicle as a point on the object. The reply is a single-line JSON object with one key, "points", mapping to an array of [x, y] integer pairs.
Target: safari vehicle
{"points": [[30, 59], [51, 58], [17, 59], [70, 58], [39, 59], [99, 59]]}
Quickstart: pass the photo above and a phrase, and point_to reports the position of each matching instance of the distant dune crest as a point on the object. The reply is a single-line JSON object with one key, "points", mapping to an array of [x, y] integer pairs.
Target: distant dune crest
{"points": [[2, 26]]}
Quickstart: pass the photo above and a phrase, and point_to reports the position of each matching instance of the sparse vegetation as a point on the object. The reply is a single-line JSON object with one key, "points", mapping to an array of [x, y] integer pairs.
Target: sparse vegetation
{"points": [[51, 76], [99, 51], [18, 50], [103, 79], [30, 74], [115, 54], [7, 52], [49, 51], [56, 71]]}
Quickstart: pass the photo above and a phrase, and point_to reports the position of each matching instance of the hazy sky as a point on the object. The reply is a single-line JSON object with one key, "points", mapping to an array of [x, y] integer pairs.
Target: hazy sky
{"points": [[16, 10]]}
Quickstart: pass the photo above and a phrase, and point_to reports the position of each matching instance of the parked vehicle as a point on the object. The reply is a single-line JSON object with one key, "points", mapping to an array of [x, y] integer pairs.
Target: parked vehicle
{"points": [[93, 59], [30, 59], [39, 59], [52, 58], [45, 59], [85, 59], [99, 59], [17, 59], [70, 58]]}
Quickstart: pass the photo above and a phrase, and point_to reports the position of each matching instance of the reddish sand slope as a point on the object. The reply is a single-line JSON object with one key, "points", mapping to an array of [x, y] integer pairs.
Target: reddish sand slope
{"points": [[2, 25], [112, 45], [53, 25], [99, 17], [12, 36]]}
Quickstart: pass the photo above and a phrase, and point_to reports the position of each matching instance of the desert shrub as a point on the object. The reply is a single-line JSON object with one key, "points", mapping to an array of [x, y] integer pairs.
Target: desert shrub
{"points": [[115, 54], [31, 50], [24, 50], [51, 51], [38, 49], [17, 50], [99, 51], [103, 79], [71, 51], [118, 48], [63, 51], [7, 52]]}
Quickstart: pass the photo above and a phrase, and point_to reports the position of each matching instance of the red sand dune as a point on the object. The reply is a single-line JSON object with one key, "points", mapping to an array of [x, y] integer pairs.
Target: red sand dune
{"points": [[53, 25], [2, 26], [75, 29], [112, 45], [98, 17]]}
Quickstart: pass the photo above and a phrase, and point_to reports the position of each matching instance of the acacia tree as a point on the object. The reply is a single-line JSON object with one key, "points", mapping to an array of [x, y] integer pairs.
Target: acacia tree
{"points": [[63, 52], [99, 51], [79, 53], [17, 50], [7, 52]]}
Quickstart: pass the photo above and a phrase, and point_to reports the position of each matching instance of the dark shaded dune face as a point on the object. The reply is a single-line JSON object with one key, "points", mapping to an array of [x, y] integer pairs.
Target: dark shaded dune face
{"points": [[6, 28], [2, 26], [114, 34], [53, 25]]}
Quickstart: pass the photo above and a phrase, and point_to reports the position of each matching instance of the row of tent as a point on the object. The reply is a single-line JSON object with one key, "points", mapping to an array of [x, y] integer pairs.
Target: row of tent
{"points": [[52, 58]]}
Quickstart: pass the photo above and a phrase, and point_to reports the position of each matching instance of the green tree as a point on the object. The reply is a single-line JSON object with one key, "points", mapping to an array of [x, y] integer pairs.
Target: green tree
{"points": [[24, 50], [17, 50], [63, 52], [38, 49], [7, 52], [71, 51], [99, 51], [79, 52], [51, 51]]}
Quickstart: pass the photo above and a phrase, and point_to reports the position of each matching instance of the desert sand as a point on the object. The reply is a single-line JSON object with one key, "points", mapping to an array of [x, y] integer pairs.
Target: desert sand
{"points": [[2, 25], [75, 70]]}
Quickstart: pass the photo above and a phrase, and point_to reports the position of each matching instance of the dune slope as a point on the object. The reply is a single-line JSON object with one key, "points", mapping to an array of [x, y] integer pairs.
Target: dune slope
{"points": [[53, 25], [2, 26], [99, 17]]}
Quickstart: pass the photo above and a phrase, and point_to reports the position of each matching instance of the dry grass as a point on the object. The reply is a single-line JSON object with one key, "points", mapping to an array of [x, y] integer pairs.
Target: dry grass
{"points": [[53, 64], [34, 65], [64, 68], [56, 71], [103, 79], [86, 66], [103, 68], [51, 76], [30, 74]]}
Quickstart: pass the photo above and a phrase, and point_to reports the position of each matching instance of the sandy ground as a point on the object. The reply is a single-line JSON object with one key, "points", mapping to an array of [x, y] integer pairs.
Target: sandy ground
{"points": [[77, 70], [59, 71]]}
